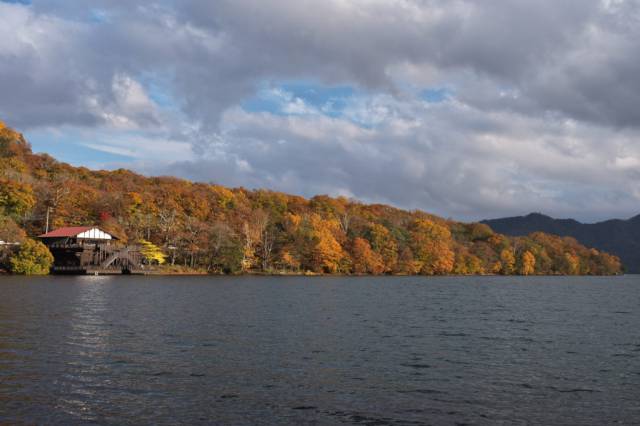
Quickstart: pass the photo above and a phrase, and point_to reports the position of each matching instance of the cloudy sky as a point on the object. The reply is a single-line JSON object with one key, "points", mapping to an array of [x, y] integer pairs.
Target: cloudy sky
{"points": [[467, 109]]}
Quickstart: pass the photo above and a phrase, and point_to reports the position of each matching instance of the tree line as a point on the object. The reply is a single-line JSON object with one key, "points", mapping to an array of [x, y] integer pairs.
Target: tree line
{"points": [[215, 229]]}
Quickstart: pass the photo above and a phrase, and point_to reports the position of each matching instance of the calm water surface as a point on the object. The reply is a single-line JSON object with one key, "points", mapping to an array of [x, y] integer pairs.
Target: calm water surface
{"points": [[371, 351]]}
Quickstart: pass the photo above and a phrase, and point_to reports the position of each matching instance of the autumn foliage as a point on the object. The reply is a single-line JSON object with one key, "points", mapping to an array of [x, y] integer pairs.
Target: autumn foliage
{"points": [[32, 258], [224, 230]]}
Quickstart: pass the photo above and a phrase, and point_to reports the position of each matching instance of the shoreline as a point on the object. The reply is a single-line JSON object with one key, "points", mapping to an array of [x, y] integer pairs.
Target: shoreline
{"points": [[306, 274]]}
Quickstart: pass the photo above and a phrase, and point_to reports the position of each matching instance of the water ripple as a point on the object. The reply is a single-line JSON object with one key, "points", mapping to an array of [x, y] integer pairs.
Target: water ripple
{"points": [[366, 351]]}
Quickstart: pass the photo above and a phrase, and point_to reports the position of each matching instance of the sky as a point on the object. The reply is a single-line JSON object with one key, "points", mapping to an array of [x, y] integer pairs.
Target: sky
{"points": [[466, 109]]}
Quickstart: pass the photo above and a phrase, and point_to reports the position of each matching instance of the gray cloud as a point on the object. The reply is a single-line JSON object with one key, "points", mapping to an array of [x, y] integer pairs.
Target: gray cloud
{"points": [[448, 163], [545, 111]]}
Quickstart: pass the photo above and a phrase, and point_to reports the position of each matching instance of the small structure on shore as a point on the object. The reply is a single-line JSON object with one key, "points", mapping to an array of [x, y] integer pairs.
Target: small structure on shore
{"points": [[90, 250]]}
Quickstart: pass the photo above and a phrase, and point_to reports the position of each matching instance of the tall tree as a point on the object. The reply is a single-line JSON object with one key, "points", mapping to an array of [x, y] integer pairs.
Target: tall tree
{"points": [[431, 244], [527, 263]]}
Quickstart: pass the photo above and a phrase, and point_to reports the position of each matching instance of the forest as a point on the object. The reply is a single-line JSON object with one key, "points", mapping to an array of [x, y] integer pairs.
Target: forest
{"points": [[214, 229]]}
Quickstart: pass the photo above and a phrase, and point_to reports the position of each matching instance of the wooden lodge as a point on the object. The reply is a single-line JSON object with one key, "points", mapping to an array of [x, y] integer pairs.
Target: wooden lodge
{"points": [[90, 250]]}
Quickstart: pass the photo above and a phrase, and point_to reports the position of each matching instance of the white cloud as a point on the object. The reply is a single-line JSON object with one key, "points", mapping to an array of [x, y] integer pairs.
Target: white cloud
{"points": [[543, 112]]}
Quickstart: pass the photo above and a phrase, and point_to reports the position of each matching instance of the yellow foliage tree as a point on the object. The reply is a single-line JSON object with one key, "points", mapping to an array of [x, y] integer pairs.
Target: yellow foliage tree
{"points": [[151, 252], [383, 243], [16, 199], [571, 264], [508, 261], [467, 264], [326, 253], [527, 263]]}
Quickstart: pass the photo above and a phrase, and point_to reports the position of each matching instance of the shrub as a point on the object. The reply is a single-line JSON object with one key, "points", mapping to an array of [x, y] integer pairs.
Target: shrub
{"points": [[33, 258]]}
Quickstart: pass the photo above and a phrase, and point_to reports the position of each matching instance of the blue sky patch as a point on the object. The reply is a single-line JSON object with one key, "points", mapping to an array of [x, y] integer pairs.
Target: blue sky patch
{"points": [[435, 95], [263, 102], [288, 98], [98, 16], [318, 95], [156, 84], [71, 150]]}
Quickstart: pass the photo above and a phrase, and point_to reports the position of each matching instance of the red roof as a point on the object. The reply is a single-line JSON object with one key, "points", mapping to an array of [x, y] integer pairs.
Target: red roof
{"points": [[70, 231]]}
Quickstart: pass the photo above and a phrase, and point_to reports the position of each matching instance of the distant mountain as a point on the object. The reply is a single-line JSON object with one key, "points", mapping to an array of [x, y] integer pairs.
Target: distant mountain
{"points": [[619, 237]]}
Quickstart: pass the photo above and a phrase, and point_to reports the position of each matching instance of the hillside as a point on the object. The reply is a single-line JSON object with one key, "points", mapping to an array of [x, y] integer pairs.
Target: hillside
{"points": [[619, 237], [217, 229]]}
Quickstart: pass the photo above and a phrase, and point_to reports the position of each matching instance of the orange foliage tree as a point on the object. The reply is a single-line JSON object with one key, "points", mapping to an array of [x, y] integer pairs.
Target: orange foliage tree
{"points": [[365, 260], [431, 244]]}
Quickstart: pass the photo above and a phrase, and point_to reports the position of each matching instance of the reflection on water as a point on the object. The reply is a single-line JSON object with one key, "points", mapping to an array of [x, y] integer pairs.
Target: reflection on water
{"points": [[87, 348], [131, 350]]}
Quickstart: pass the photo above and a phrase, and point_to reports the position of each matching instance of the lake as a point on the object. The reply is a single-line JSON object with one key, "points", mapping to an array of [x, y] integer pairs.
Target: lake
{"points": [[314, 350]]}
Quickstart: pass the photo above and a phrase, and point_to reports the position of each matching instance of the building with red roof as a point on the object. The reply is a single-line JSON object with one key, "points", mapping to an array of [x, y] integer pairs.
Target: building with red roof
{"points": [[90, 250], [78, 232]]}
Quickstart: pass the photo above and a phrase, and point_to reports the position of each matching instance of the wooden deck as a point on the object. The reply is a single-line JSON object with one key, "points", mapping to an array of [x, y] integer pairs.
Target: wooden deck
{"points": [[97, 260], [90, 270]]}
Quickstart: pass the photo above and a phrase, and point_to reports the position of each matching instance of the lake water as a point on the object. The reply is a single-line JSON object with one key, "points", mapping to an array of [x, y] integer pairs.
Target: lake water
{"points": [[311, 350]]}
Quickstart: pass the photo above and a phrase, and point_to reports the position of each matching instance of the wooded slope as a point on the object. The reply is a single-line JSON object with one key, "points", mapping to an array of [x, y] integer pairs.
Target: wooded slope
{"points": [[219, 229], [619, 237]]}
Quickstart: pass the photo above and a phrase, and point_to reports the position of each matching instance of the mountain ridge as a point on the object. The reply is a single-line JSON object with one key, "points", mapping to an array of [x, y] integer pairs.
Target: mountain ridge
{"points": [[620, 237]]}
